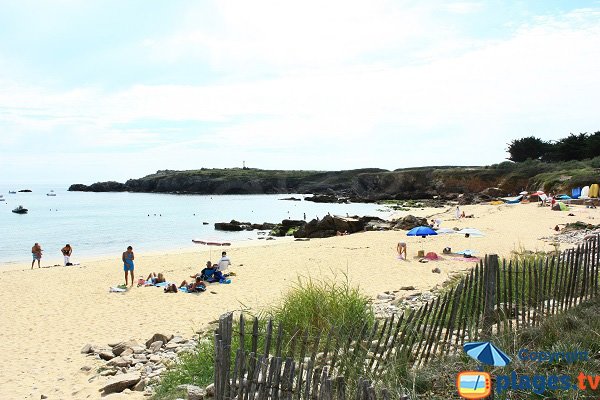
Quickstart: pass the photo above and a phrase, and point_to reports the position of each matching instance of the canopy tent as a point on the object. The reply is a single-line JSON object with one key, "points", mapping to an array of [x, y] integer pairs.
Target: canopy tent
{"points": [[594, 189], [576, 192], [560, 206]]}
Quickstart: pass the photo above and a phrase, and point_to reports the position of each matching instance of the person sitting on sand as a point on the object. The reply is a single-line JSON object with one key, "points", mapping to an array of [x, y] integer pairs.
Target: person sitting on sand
{"points": [[196, 286], [152, 279], [36, 252], [401, 248], [66, 252]]}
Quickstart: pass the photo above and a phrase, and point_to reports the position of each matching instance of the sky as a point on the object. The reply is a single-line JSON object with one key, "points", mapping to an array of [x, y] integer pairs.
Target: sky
{"points": [[111, 90]]}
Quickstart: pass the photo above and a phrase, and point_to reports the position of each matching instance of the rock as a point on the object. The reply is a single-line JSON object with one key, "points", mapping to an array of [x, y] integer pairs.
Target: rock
{"points": [[232, 226], [86, 368], [138, 349], [106, 355], [155, 346], [121, 347], [171, 346], [409, 222], [384, 296], [436, 270], [407, 288], [86, 349], [43, 396], [119, 362], [158, 337], [120, 383], [329, 226], [195, 392], [108, 372], [127, 352], [154, 358], [210, 390], [140, 386]]}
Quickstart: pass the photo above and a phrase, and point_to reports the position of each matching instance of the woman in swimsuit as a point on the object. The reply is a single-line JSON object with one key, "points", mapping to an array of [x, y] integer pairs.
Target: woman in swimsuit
{"points": [[128, 258]]}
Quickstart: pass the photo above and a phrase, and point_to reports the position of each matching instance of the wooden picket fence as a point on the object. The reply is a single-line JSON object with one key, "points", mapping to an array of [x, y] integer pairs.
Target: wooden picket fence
{"points": [[494, 298]]}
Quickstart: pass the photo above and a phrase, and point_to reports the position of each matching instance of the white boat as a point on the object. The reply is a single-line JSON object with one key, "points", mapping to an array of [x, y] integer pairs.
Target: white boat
{"points": [[51, 193]]}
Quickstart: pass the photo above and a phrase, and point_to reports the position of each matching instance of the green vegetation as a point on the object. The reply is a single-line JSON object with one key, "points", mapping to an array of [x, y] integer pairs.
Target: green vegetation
{"points": [[310, 306], [192, 368], [574, 147], [577, 330], [317, 306]]}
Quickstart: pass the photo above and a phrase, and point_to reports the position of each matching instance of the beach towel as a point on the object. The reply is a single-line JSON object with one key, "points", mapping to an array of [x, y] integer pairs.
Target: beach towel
{"points": [[114, 289], [463, 252], [470, 259]]}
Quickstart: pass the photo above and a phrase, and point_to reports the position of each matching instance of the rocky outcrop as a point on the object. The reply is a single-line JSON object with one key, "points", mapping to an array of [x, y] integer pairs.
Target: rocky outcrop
{"points": [[287, 227], [362, 185], [409, 222], [330, 226], [236, 226]]}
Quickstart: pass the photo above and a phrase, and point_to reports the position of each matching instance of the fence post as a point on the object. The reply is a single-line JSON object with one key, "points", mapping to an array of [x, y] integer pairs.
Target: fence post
{"points": [[490, 292]]}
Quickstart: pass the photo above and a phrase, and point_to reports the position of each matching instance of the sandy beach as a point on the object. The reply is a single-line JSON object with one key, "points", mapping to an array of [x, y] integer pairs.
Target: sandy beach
{"points": [[49, 314]]}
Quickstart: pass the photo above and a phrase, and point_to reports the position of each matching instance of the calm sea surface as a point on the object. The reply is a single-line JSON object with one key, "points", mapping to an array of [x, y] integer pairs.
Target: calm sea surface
{"points": [[98, 224]]}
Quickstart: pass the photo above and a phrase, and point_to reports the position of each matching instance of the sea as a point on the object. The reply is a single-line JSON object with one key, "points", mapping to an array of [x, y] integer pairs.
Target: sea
{"points": [[104, 224]]}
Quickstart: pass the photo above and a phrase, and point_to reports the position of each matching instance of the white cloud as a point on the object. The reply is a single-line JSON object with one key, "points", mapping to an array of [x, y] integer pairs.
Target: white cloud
{"points": [[476, 96]]}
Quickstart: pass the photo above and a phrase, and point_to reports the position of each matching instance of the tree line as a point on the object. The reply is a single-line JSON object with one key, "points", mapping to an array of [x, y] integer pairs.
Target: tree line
{"points": [[574, 147]]}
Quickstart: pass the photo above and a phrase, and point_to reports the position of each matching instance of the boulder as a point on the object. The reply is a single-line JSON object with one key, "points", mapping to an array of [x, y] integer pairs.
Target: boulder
{"points": [[158, 337], [210, 390], [119, 362], [409, 222], [329, 226], [228, 227], [195, 392], [325, 198], [121, 347], [86, 349], [120, 383], [155, 346], [106, 355]]}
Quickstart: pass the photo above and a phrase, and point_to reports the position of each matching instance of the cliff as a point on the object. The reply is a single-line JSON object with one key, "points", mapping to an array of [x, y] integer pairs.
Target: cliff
{"points": [[362, 184]]}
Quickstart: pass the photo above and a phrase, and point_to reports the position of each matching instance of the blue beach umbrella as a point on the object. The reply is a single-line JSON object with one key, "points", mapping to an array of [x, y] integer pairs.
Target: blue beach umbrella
{"points": [[486, 353], [421, 231]]}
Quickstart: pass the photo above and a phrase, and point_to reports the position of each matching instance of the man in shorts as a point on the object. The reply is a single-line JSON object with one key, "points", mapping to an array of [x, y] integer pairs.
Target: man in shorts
{"points": [[36, 253]]}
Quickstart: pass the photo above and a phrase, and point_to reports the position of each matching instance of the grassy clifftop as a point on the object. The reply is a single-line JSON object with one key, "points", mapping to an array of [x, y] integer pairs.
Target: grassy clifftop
{"points": [[368, 183]]}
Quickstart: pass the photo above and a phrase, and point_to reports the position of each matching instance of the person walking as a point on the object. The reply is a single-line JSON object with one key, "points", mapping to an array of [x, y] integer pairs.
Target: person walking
{"points": [[66, 252], [36, 252], [128, 258]]}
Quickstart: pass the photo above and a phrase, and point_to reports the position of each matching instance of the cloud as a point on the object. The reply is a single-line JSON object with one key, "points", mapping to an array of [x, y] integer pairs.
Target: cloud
{"points": [[453, 100], [464, 7]]}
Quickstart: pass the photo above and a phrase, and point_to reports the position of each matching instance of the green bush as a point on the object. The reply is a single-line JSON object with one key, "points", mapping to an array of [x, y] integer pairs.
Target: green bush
{"points": [[317, 305], [195, 368]]}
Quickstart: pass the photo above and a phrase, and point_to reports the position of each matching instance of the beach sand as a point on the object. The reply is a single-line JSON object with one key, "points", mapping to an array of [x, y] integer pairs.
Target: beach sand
{"points": [[49, 314]]}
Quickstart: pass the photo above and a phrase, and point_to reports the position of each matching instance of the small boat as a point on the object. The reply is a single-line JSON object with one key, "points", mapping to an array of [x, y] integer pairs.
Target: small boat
{"points": [[51, 193], [2, 198], [11, 192], [20, 210]]}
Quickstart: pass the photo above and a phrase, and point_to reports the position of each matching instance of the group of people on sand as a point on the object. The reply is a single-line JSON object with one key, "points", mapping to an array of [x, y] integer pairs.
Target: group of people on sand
{"points": [[211, 273], [36, 252]]}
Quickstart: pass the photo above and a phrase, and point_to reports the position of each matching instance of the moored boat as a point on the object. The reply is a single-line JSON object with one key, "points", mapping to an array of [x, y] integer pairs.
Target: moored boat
{"points": [[51, 193], [20, 210]]}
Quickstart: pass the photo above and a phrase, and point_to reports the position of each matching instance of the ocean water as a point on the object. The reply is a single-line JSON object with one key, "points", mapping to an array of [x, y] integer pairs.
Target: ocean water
{"points": [[99, 224]]}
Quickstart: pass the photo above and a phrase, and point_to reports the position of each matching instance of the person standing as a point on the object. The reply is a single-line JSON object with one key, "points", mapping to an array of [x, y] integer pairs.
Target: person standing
{"points": [[66, 252], [457, 212], [224, 262], [36, 252], [128, 258]]}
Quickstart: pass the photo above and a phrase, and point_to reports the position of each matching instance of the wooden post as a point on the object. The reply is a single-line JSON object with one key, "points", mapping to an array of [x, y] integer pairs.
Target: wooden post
{"points": [[490, 286]]}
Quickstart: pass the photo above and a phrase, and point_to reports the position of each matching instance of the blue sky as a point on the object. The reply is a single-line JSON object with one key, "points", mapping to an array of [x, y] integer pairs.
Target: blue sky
{"points": [[109, 90]]}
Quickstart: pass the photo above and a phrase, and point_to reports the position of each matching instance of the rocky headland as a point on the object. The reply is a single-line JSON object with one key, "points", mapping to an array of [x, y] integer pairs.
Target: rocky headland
{"points": [[359, 185]]}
